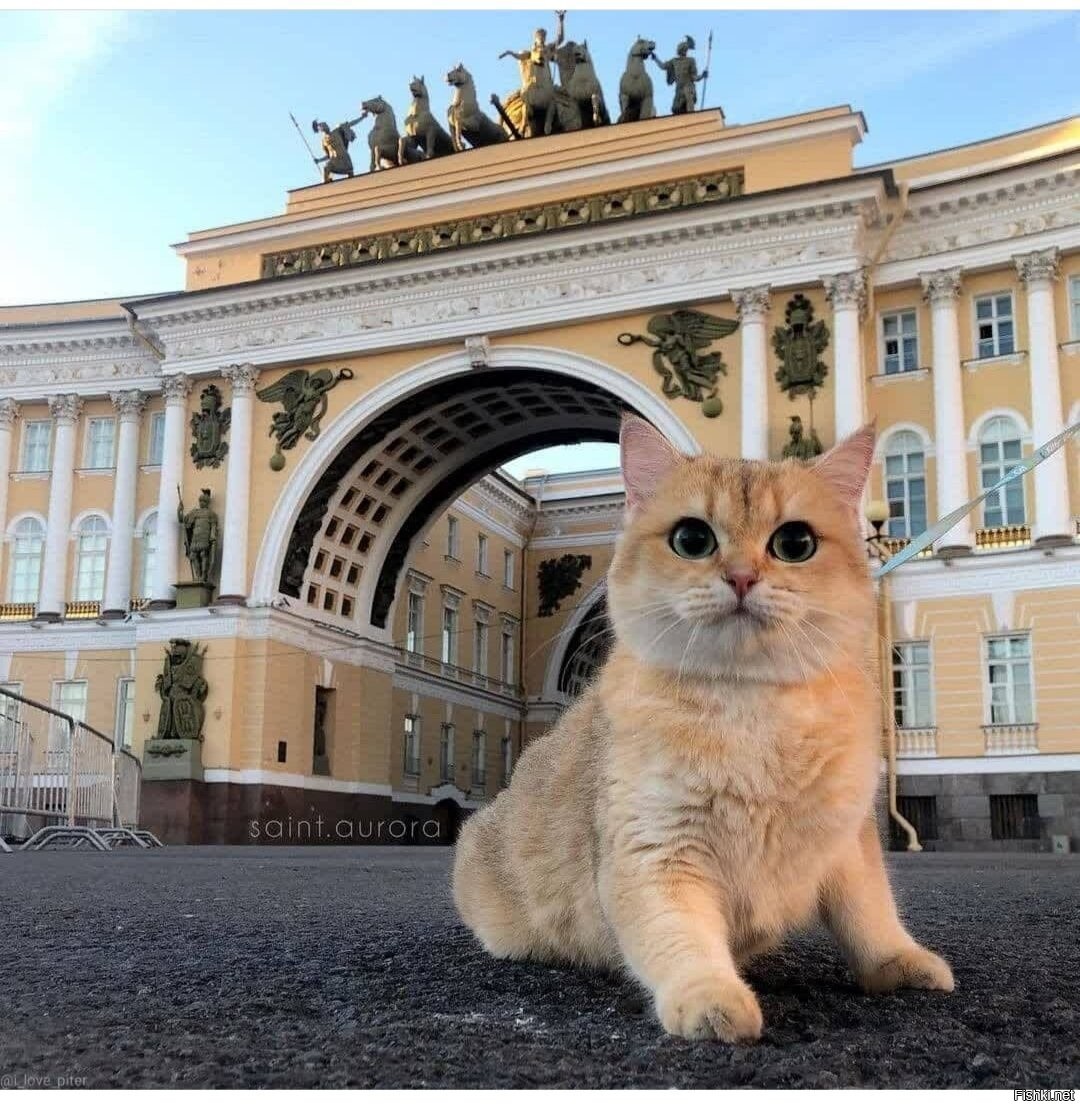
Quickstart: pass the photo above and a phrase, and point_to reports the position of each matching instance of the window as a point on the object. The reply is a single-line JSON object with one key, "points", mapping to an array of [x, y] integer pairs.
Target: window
{"points": [[35, 446], [10, 715], [508, 568], [905, 484], [125, 712], [69, 696], [912, 704], [507, 656], [446, 753], [1015, 816], [149, 556], [99, 443], [156, 449], [412, 745], [999, 451], [479, 758], [452, 536], [26, 557], [921, 812], [994, 325], [482, 554], [449, 636], [1009, 678], [1074, 306], [414, 624], [480, 649], [90, 559], [507, 752], [900, 341]]}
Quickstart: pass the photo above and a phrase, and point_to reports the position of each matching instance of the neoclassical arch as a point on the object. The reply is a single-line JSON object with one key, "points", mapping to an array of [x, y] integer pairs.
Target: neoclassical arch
{"points": [[975, 433], [77, 523], [9, 534], [896, 428], [581, 614], [568, 397]]}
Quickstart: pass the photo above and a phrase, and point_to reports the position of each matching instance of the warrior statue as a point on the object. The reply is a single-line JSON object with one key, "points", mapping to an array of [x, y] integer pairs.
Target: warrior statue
{"points": [[183, 692], [682, 73], [335, 144], [802, 446], [537, 84], [200, 527]]}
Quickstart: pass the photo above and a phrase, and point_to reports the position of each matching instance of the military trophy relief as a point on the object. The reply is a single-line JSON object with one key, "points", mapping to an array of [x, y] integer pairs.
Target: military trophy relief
{"points": [[798, 346], [174, 752], [559, 93], [209, 426], [201, 531], [680, 343], [302, 393]]}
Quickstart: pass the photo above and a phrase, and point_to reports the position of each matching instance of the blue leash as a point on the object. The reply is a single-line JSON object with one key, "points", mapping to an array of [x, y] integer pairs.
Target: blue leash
{"points": [[942, 526]]}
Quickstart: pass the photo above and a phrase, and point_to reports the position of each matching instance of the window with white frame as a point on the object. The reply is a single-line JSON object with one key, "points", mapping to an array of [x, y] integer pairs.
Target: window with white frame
{"points": [[148, 541], [446, 753], [1008, 677], [69, 697], [912, 687], [449, 635], [155, 449], [452, 536], [100, 441], [414, 624], [507, 752], [125, 711], [1074, 306], [900, 341], [37, 437], [905, 484], [91, 551], [479, 758], [412, 745], [994, 328], [10, 716], [480, 648], [508, 568], [27, 551], [482, 554], [507, 655], [1000, 451]]}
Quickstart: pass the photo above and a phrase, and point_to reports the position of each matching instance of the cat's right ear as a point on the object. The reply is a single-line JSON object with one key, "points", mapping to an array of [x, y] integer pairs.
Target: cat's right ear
{"points": [[647, 457]]}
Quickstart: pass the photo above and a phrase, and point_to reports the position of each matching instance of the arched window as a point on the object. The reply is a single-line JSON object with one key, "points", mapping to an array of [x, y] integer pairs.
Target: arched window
{"points": [[26, 556], [905, 484], [149, 556], [93, 545], [999, 451]]}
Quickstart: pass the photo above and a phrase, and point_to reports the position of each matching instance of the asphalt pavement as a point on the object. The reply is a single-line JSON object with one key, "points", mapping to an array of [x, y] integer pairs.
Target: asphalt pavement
{"points": [[330, 967]]}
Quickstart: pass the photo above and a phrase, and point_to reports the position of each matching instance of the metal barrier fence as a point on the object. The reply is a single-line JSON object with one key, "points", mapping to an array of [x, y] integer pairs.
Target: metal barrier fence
{"points": [[64, 783]]}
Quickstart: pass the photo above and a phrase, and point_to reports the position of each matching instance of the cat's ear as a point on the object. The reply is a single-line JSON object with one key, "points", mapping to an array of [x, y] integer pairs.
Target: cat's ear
{"points": [[847, 465], [647, 457]]}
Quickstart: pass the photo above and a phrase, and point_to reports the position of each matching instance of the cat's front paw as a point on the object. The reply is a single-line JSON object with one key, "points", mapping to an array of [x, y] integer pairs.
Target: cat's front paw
{"points": [[717, 1007], [915, 967]]}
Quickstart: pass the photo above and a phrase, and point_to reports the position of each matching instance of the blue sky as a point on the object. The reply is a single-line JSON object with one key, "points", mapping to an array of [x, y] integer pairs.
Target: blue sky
{"points": [[122, 131]]}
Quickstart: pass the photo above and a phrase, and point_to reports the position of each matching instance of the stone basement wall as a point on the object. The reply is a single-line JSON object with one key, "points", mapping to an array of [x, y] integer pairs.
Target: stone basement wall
{"points": [[963, 808]]}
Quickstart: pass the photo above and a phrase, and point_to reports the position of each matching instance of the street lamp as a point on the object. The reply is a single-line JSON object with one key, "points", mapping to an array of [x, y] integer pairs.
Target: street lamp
{"points": [[877, 514]]}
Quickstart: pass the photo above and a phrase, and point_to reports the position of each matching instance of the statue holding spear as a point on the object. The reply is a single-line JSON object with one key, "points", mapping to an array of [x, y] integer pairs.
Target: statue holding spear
{"points": [[682, 72]]}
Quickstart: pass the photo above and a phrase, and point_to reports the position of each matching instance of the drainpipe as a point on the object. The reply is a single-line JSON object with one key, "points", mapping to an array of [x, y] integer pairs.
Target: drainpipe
{"points": [[524, 603]]}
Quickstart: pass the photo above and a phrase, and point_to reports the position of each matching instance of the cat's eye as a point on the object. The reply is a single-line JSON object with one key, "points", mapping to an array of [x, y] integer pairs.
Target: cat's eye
{"points": [[793, 542], [692, 539]]}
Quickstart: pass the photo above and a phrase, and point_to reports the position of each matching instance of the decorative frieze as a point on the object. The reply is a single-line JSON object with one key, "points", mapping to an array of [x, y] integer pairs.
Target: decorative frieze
{"points": [[460, 233], [1042, 265]]}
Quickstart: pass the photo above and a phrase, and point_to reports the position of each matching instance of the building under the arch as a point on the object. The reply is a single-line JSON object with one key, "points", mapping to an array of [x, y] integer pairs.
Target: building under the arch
{"points": [[377, 647]]}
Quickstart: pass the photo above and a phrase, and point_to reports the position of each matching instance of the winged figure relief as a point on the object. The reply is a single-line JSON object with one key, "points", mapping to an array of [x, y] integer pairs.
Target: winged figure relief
{"points": [[302, 394]]}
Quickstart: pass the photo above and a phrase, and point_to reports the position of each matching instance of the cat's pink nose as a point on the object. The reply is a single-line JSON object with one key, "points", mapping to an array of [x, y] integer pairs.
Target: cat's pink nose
{"points": [[741, 580]]}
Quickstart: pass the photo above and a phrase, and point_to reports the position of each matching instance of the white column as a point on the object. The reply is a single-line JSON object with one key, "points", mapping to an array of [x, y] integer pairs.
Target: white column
{"points": [[1039, 271], [9, 412], [753, 308], [847, 294], [941, 289], [65, 411], [234, 532], [167, 555], [129, 407]]}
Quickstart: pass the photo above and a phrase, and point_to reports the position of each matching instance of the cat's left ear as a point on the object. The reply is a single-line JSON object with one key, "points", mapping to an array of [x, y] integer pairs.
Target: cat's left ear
{"points": [[647, 457], [847, 465]]}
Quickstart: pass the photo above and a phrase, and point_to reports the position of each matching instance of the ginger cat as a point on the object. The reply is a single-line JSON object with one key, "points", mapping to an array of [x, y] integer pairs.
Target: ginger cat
{"points": [[714, 787]]}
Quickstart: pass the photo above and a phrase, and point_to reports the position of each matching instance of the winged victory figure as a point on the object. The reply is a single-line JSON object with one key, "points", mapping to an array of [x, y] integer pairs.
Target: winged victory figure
{"points": [[303, 395]]}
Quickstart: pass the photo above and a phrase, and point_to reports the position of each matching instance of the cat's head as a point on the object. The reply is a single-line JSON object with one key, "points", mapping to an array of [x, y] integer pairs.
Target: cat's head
{"points": [[742, 569]]}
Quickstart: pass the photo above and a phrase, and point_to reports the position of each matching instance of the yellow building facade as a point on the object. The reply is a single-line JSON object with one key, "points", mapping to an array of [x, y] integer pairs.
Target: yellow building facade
{"points": [[395, 616]]}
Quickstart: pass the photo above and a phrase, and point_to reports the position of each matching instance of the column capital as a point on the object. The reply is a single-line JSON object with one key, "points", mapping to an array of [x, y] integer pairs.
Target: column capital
{"points": [[176, 387], [66, 407], [752, 304], [846, 290], [942, 286], [241, 377], [9, 412], [129, 405], [1042, 265]]}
